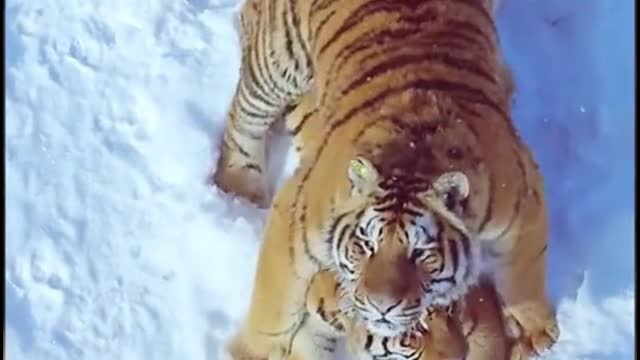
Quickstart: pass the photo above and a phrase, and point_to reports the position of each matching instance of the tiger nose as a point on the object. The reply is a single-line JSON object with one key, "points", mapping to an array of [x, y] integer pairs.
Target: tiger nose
{"points": [[383, 304], [387, 294]]}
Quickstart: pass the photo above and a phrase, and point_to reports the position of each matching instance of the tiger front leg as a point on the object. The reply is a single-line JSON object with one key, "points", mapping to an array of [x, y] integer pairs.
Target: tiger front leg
{"points": [[276, 311], [323, 325], [323, 304], [520, 281], [481, 323], [306, 345]]}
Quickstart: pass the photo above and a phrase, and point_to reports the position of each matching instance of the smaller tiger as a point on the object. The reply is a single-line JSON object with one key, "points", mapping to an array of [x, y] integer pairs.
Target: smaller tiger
{"points": [[436, 336], [471, 328]]}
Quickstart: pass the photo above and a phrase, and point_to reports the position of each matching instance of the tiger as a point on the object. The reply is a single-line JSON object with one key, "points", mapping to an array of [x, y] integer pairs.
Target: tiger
{"points": [[474, 332], [412, 183], [471, 328], [435, 336]]}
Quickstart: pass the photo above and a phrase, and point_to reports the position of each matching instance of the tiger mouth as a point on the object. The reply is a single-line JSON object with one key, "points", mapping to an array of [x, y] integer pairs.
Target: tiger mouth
{"points": [[388, 328], [385, 328]]}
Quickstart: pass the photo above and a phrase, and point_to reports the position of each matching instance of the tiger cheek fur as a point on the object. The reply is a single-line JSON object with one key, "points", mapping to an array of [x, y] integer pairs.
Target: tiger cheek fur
{"points": [[418, 89]]}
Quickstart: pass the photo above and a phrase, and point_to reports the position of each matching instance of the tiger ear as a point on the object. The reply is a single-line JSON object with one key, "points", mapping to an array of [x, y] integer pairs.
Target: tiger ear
{"points": [[362, 175], [451, 188]]}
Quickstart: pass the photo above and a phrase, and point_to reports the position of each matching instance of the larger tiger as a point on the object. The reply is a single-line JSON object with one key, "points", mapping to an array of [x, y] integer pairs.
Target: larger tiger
{"points": [[412, 181]]}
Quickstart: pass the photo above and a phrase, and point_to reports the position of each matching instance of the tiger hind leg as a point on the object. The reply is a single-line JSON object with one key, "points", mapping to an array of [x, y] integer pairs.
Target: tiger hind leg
{"points": [[241, 168], [270, 82]]}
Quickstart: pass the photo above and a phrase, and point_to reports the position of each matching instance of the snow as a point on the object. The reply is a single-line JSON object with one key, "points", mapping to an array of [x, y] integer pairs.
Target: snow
{"points": [[115, 247]]}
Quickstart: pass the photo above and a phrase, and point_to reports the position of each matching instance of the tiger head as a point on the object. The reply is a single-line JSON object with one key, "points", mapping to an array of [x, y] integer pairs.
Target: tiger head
{"points": [[400, 246]]}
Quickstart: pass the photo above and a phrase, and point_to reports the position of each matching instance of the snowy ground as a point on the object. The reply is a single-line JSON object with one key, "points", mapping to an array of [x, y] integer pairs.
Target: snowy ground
{"points": [[117, 250]]}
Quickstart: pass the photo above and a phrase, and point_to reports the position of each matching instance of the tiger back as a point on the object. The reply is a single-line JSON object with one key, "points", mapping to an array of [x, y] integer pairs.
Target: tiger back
{"points": [[412, 177]]}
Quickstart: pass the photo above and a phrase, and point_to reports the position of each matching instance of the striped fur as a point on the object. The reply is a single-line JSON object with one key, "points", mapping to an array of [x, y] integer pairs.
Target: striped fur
{"points": [[415, 92]]}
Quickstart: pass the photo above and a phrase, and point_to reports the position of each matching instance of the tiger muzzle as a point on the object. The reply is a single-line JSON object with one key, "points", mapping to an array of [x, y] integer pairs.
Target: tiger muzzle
{"points": [[391, 296]]}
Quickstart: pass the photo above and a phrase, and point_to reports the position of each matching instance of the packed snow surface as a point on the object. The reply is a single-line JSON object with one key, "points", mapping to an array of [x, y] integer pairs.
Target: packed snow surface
{"points": [[115, 247]]}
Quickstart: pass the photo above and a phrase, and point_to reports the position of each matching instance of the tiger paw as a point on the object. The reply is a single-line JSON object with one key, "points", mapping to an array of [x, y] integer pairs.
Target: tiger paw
{"points": [[533, 327], [241, 180]]}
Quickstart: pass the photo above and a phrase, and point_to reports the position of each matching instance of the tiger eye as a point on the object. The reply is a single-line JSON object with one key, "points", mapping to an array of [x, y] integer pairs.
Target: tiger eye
{"points": [[417, 254], [432, 262]]}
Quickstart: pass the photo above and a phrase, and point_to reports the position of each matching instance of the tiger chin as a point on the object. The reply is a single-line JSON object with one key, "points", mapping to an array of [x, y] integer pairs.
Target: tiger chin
{"points": [[412, 177]]}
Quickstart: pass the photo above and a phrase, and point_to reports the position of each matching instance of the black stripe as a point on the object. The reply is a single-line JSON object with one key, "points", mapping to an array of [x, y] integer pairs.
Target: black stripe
{"points": [[366, 9], [337, 325], [288, 40], [320, 5], [272, 20], [412, 212], [448, 279], [249, 114], [269, 53], [363, 130], [248, 100], [471, 28], [255, 59], [253, 167], [259, 79], [323, 23], [385, 346], [254, 83], [344, 234], [292, 235], [420, 58], [520, 196], [387, 206], [477, 6], [371, 219], [303, 321], [400, 35], [302, 220], [297, 31], [300, 125], [407, 7], [249, 79], [237, 125], [464, 33], [235, 145], [334, 227], [368, 342], [371, 41], [466, 248], [454, 255], [488, 214]]}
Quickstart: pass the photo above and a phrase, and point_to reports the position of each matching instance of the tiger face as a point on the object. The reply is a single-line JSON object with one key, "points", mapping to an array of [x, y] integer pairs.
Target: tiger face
{"points": [[397, 252]]}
